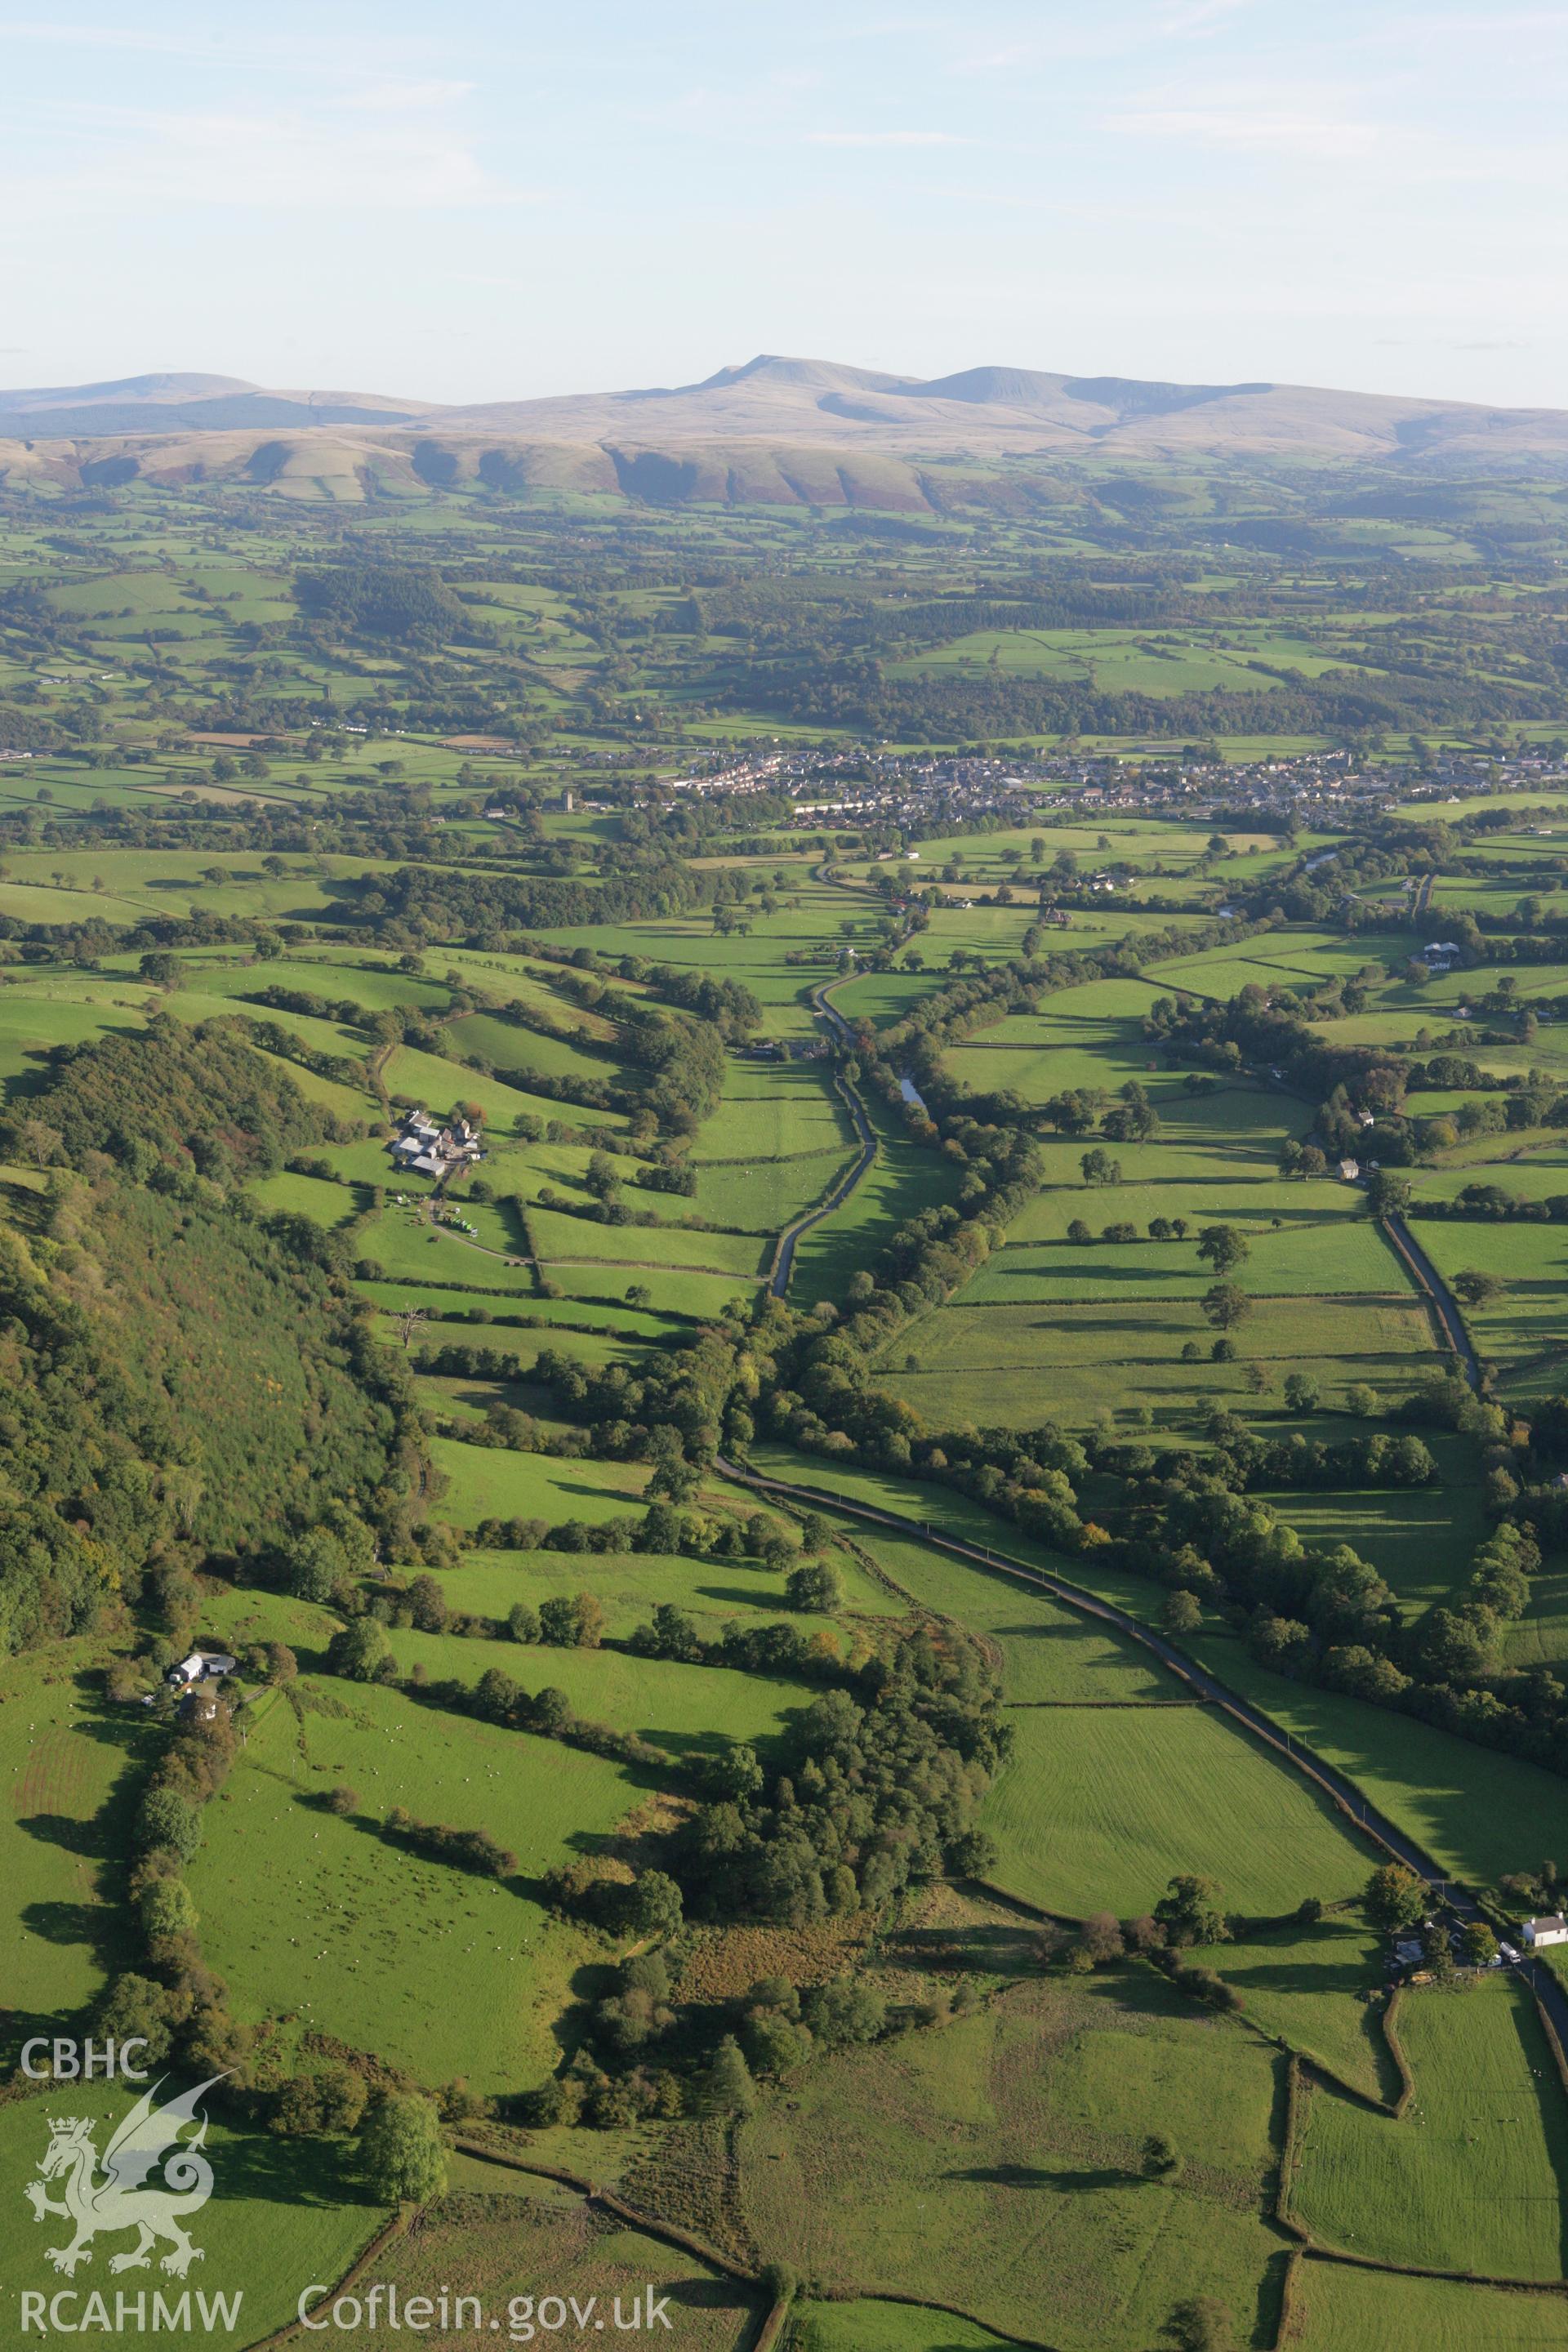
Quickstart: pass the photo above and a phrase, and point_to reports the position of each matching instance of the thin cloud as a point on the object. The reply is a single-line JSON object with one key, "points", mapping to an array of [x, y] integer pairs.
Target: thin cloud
{"points": [[326, 51], [407, 97], [1200, 16], [293, 160], [1308, 126], [886, 139], [106, 37], [1272, 130]]}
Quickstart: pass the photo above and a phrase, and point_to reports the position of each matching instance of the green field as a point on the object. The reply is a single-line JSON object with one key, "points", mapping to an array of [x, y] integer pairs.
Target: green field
{"points": [[995, 2165], [72, 1764], [866, 2326], [280, 2215], [1479, 1813], [1319, 1989], [489, 1482], [687, 1711], [983, 745], [629, 1585], [506, 2239], [1099, 1808], [311, 1914], [1341, 2309], [1471, 2178], [1067, 1360], [1049, 1655]]}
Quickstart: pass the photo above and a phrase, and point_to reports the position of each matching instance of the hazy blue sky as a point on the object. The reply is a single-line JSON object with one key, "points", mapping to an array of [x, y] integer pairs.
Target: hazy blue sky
{"points": [[473, 199]]}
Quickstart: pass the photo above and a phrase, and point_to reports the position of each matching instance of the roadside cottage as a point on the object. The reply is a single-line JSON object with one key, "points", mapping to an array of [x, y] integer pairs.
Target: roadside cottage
{"points": [[1537, 1932]]}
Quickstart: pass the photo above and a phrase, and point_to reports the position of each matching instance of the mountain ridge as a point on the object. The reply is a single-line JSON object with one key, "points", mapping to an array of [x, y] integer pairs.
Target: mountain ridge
{"points": [[802, 430]]}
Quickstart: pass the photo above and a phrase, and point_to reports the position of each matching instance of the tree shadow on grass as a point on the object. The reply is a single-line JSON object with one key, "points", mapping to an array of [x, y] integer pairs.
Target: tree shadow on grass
{"points": [[988, 1950], [530, 1888], [632, 1499], [257, 2167], [98, 1929], [683, 1745], [1031, 2175], [762, 1595], [65, 1923], [98, 1839]]}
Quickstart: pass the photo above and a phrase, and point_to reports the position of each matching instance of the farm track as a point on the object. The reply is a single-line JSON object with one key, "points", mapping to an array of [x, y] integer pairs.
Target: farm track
{"points": [[375, 1071]]}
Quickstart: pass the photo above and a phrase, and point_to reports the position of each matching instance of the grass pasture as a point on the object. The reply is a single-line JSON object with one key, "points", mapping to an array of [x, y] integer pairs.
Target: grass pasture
{"points": [[563, 1240], [443, 1973], [1472, 2175], [774, 1110], [685, 1710], [690, 1295], [33, 1021], [281, 2213], [765, 1195], [1477, 1812], [488, 1482], [1066, 1360], [1342, 1257], [994, 2166], [71, 1764], [1320, 1987], [1342, 2309], [1049, 1655], [508, 2239], [865, 2325], [903, 1179], [629, 1585], [1098, 1808]]}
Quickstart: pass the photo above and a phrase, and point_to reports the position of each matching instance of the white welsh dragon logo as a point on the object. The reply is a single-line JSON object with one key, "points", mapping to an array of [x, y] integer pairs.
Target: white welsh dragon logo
{"points": [[149, 2136]]}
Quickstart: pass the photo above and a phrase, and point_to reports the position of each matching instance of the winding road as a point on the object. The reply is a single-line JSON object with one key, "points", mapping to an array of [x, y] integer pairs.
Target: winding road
{"points": [[1454, 1899]]}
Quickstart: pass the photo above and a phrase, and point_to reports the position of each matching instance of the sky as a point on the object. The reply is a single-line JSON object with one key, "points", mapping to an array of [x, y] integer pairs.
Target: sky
{"points": [[466, 200]]}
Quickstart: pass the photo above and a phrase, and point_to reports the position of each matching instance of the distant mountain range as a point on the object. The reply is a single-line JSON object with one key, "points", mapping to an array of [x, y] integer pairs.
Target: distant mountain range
{"points": [[777, 430], [184, 403]]}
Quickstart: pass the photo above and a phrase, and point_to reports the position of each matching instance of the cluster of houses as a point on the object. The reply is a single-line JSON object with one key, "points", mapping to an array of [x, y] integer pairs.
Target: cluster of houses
{"points": [[426, 1148], [1408, 1959]]}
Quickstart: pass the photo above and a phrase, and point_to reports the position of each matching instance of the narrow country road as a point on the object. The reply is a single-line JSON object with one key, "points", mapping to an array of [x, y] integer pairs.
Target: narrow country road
{"points": [[1287, 1749], [1433, 1288], [1422, 1272], [784, 1256]]}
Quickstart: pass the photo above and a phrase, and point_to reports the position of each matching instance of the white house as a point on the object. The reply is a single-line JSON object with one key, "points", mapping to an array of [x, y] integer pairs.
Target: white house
{"points": [[200, 1663], [1537, 1932]]}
